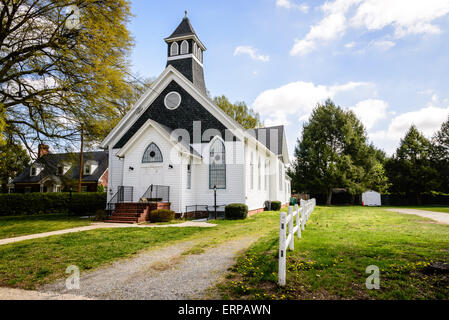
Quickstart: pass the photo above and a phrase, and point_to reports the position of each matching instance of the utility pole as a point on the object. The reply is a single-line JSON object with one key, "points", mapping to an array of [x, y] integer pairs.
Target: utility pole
{"points": [[81, 159]]}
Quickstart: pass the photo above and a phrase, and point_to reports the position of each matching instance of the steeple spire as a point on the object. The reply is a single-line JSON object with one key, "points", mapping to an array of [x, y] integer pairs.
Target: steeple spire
{"points": [[185, 53]]}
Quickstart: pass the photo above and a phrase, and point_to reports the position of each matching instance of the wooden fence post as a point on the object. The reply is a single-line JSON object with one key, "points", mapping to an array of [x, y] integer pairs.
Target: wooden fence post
{"points": [[298, 220], [291, 220], [282, 249]]}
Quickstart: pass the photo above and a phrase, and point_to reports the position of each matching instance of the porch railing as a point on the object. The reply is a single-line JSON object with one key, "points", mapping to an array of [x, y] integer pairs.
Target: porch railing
{"points": [[156, 193], [123, 195]]}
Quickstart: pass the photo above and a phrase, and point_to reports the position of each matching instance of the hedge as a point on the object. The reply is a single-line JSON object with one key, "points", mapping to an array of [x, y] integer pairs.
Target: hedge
{"points": [[79, 204], [276, 206], [162, 215], [236, 211]]}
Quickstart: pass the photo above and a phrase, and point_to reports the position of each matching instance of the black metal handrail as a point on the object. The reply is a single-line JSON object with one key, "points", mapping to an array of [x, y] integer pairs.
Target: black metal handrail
{"points": [[157, 193], [123, 195]]}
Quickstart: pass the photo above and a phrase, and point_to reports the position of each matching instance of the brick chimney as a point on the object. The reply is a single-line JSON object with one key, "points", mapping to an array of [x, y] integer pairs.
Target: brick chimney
{"points": [[42, 150]]}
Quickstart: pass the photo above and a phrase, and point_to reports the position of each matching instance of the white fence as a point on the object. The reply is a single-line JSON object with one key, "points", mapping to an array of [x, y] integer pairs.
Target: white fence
{"points": [[301, 215]]}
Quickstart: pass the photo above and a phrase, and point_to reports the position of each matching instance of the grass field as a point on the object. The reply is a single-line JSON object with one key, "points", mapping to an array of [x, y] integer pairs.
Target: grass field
{"points": [[31, 263], [24, 225], [330, 262]]}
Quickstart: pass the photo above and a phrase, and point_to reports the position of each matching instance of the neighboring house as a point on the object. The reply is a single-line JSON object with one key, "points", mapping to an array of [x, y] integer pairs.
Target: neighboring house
{"points": [[176, 138], [60, 172]]}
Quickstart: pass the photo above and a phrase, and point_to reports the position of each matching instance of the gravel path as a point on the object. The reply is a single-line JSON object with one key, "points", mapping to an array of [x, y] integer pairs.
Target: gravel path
{"points": [[163, 274], [437, 216], [101, 225], [18, 294]]}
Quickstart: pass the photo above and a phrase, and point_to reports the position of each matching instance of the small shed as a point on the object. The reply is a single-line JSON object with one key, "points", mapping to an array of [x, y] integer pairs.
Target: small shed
{"points": [[371, 199]]}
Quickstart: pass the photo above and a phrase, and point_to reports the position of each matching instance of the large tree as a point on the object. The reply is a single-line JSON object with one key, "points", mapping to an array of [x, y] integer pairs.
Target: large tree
{"points": [[333, 153], [411, 170], [240, 112], [13, 160], [63, 63], [441, 155]]}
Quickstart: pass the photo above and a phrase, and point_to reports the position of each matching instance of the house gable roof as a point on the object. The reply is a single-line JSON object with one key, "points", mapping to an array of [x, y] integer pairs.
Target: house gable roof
{"points": [[50, 163]]}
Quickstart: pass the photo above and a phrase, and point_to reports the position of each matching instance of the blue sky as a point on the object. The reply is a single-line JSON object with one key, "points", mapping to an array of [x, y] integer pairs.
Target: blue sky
{"points": [[386, 60]]}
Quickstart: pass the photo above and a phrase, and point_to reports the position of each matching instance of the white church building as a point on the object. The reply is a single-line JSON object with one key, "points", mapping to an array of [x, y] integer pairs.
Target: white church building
{"points": [[176, 146]]}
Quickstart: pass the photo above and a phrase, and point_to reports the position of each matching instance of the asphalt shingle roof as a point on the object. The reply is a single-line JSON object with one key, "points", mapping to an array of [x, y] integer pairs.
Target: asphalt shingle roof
{"points": [[50, 163], [184, 29], [271, 137]]}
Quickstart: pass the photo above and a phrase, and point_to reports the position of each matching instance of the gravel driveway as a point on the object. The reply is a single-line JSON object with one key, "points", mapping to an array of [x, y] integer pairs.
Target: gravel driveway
{"points": [[163, 274], [440, 217]]}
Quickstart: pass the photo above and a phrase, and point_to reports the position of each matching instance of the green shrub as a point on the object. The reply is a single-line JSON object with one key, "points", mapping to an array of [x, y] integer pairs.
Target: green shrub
{"points": [[236, 211], [46, 203], [276, 205], [162, 215], [101, 215]]}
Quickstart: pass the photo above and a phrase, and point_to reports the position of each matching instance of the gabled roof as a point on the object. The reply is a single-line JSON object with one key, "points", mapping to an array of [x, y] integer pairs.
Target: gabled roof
{"points": [[50, 163], [273, 138], [184, 29], [166, 132]]}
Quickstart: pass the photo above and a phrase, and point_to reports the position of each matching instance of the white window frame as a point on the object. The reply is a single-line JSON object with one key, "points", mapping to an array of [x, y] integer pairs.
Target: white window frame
{"points": [[174, 49], [189, 176], [86, 166], [185, 47]]}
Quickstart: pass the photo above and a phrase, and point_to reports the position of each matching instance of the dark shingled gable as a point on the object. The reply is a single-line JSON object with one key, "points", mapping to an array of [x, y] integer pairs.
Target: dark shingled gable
{"points": [[51, 161], [183, 117], [264, 135], [184, 29]]}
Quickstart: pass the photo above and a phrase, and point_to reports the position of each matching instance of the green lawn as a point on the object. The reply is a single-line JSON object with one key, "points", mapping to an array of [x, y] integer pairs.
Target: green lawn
{"points": [[24, 225], [339, 243], [31, 263]]}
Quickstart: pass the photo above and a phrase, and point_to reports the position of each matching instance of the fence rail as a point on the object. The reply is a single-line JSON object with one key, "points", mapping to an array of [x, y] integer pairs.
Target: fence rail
{"points": [[302, 215]]}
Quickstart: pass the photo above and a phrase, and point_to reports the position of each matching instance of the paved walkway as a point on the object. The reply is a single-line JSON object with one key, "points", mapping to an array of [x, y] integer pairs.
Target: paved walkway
{"points": [[440, 217], [103, 226]]}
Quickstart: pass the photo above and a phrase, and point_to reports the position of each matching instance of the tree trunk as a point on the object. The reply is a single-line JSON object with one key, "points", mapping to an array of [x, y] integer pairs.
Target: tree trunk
{"points": [[419, 199], [329, 197]]}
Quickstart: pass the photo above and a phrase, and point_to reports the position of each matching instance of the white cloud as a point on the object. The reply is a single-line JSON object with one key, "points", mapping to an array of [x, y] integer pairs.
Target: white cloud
{"points": [[370, 112], [288, 4], [383, 44], [350, 45], [252, 52], [297, 100], [428, 120], [404, 16]]}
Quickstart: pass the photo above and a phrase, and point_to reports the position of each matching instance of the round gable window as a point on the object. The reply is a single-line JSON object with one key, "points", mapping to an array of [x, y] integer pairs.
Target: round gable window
{"points": [[172, 100]]}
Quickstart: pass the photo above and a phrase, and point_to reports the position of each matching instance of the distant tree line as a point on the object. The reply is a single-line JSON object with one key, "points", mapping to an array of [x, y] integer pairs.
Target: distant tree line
{"points": [[333, 152]]}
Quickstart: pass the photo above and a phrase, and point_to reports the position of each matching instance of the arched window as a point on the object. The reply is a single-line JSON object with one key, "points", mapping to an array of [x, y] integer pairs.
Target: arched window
{"points": [[152, 154], [217, 165], [184, 47], [195, 49], [174, 49]]}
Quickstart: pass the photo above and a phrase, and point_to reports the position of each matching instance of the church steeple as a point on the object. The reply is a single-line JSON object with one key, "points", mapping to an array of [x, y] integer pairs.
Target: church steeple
{"points": [[185, 53]]}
